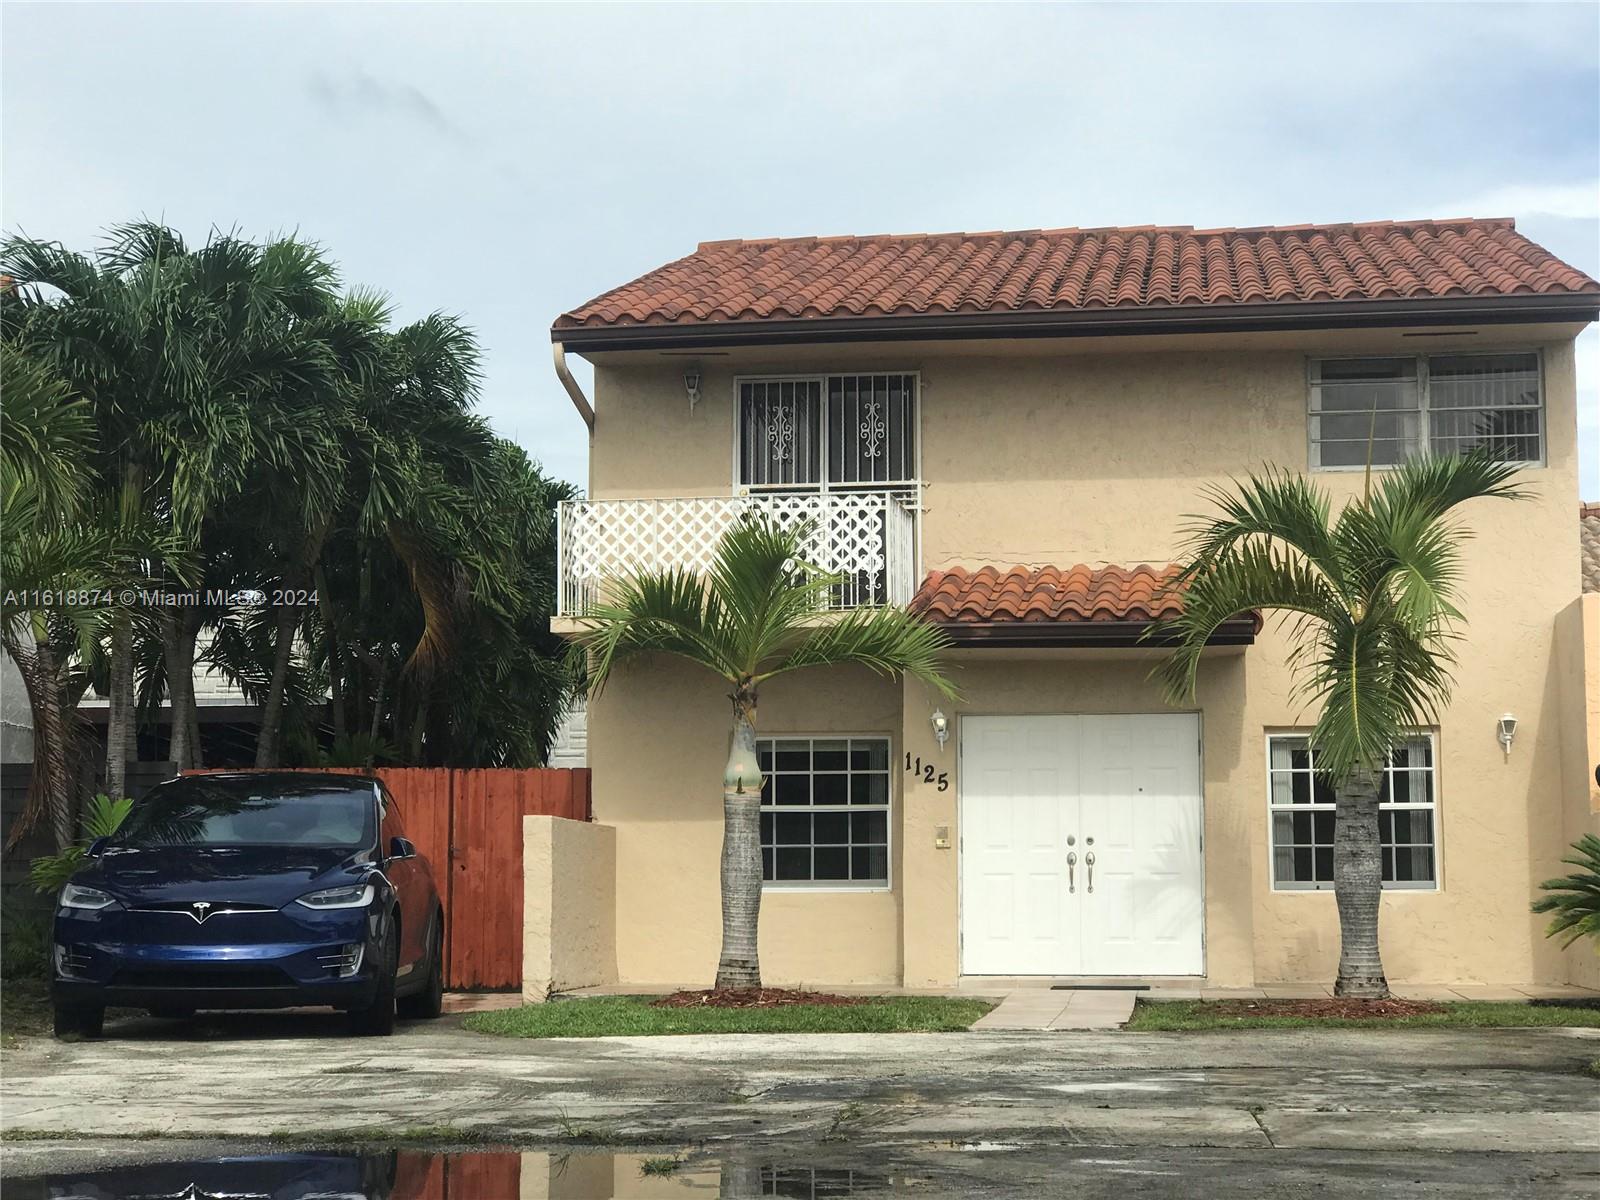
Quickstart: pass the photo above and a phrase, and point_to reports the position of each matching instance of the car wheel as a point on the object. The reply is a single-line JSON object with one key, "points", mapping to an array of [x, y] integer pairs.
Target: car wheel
{"points": [[79, 1022], [377, 1018], [429, 1002]]}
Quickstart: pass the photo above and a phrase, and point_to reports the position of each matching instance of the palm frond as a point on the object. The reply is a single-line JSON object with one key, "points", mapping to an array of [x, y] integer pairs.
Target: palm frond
{"points": [[1238, 578], [889, 641], [761, 583], [1276, 507], [46, 436], [1575, 898], [657, 612]]}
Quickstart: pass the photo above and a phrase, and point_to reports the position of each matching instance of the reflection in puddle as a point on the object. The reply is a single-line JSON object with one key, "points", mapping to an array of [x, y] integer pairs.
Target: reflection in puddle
{"points": [[425, 1175]]}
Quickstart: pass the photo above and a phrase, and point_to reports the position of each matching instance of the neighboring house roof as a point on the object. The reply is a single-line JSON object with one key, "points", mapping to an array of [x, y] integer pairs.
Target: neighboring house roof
{"points": [[1057, 274], [1109, 605], [1589, 545]]}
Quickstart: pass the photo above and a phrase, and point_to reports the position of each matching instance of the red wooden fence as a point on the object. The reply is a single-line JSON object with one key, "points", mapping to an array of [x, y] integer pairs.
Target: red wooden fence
{"points": [[468, 824]]}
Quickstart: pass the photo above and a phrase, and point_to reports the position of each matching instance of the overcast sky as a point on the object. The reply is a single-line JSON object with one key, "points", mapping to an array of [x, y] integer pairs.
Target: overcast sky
{"points": [[508, 162]]}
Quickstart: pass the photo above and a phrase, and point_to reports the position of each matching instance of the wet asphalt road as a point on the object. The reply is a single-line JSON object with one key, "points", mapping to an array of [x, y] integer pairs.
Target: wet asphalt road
{"points": [[1433, 1113]]}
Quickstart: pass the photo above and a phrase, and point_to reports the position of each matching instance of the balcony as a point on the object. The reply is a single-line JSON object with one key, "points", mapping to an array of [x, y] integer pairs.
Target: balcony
{"points": [[867, 538]]}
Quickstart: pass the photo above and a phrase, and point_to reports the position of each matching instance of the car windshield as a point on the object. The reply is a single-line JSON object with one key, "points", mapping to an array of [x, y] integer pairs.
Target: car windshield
{"points": [[194, 812]]}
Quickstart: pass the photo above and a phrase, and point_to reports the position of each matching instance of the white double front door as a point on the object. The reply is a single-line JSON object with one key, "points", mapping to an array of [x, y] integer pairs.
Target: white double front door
{"points": [[1081, 845]]}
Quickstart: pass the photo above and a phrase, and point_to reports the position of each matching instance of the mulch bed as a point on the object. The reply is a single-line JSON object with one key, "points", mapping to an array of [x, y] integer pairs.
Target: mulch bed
{"points": [[1346, 1009], [752, 998]]}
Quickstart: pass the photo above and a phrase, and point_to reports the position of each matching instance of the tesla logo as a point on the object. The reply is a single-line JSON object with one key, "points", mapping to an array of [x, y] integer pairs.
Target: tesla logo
{"points": [[202, 909]]}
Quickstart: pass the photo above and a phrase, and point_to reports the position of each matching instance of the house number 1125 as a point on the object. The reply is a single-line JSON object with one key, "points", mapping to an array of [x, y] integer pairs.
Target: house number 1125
{"points": [[924, 772]]}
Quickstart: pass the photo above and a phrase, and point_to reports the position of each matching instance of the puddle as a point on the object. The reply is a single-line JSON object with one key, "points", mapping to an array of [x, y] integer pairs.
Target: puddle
{"points": [[426, 1175]]}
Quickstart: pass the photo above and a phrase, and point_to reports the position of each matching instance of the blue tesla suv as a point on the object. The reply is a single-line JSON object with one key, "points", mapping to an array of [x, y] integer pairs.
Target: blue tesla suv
{"points": [[252, 890]]}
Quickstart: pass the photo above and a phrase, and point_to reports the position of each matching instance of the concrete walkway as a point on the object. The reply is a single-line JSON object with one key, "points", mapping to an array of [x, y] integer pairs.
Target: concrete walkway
{"points": [[1044, 1008]]}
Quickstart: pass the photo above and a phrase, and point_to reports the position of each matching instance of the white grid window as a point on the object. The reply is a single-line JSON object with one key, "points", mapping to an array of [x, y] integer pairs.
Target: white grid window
{"points": [[1302, 812], [825, 811], [1450, 403]]}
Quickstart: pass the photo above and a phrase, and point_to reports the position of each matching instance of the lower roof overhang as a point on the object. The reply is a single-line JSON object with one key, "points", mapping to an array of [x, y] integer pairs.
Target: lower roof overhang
{"points": [[1028, 635]]}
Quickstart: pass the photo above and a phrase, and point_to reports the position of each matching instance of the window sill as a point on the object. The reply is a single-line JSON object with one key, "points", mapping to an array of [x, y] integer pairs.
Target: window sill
{"points": [[811, 889], [1385, 468], [1432, 889]]}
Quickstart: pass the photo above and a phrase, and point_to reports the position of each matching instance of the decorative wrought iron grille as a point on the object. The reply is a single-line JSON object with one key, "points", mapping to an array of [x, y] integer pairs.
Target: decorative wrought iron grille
{"points": [[832, 431]]}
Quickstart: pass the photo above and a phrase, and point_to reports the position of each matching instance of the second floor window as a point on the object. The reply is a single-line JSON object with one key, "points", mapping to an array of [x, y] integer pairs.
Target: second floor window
{"points": [[823, 432], [1446, 403]]}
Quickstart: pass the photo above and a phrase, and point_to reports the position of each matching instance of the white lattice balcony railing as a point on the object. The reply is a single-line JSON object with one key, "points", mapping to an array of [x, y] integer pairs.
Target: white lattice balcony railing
{"points": [[869, 538]]}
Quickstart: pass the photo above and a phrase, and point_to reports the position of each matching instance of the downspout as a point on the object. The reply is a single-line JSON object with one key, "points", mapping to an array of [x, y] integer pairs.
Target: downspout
{"points": [[563, 373]]}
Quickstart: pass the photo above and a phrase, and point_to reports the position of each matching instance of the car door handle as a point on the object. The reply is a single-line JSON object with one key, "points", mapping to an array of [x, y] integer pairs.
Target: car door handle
{"points": [[1088, 861], [1072, 861]]}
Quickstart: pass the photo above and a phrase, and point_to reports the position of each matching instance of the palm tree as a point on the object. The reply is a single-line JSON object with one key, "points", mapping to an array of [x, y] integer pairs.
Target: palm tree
{"points": [[60, 557], [1369, 601], [757, 613]]}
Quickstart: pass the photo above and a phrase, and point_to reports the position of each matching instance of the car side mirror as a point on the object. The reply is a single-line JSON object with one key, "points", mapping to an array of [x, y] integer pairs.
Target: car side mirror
{"points": [[97, 847], [401, 848]]}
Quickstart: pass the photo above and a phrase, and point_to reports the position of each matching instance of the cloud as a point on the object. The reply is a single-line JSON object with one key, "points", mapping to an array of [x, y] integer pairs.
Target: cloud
{"points": [[1572, 201], [358, 93]]}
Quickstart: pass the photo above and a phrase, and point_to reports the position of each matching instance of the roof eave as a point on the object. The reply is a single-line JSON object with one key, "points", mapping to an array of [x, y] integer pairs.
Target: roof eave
{"points": [[1574, 307], [1111, 634]]}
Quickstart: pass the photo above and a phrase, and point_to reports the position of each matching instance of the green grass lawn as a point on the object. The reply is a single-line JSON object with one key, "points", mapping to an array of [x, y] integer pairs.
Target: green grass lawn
{"points": [[1178, 1015], [619, 1016]]}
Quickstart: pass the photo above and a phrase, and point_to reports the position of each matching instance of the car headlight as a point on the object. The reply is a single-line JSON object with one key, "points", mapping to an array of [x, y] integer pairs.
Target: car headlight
{"points": [[75, 895], [356, 895]]}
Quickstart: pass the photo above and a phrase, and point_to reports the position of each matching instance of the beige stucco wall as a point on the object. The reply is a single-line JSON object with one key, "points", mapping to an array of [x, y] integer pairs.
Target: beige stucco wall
{"points": [[658, 737], [569, 911], [1578, 646], [1070, 454]]}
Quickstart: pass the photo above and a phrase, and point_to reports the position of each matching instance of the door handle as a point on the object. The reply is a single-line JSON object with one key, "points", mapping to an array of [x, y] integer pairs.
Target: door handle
{"points": [[1088, 861], [1072, 861]]}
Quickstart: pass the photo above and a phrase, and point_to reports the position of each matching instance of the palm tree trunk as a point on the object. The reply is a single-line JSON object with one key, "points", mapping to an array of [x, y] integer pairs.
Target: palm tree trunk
{"points": [[268, 741], [330, 626], [1358, 886], [377, 712], [121, 742], [51, 787], [740, 963], [192, 719], [178, 633]]}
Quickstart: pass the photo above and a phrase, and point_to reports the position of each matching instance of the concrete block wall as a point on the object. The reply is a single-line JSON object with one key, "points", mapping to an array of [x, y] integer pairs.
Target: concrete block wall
{"points": [[569, 906]]}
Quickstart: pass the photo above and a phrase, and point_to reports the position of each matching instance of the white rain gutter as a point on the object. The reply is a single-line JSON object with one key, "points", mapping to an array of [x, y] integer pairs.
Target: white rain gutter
{"points": [[564, 373]]}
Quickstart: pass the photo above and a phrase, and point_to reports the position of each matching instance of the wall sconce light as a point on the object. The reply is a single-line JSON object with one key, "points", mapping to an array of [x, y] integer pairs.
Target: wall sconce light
{"points": [[691, 384], [1507, 727], [941, 727]]}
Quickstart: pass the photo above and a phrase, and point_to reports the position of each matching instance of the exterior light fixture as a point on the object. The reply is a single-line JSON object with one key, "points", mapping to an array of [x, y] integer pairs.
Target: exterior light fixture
{"points": [[941, 727], [691, 384], [1507, 727]]}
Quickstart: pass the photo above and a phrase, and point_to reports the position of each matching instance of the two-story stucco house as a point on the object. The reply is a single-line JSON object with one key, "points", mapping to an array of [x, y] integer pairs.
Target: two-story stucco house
{"points": [[1006, 431]]}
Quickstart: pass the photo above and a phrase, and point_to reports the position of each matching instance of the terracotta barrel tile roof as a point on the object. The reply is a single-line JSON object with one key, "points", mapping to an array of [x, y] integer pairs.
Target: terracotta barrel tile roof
{"points": [[1084, 269], [995, 595]]}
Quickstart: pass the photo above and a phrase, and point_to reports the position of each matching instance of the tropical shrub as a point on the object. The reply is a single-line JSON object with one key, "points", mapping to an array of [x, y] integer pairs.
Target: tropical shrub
{"points": [[102, 817], [1575, 898]]}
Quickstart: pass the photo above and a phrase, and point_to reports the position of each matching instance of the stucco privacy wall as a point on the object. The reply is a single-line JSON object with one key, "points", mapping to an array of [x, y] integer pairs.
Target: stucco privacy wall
{"points": [[569, 930], [1061, 456], [1578, 644]]}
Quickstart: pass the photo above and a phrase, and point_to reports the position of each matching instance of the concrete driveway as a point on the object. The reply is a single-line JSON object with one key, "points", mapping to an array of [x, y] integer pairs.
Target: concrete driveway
{"points": [[1281, 1098]]}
